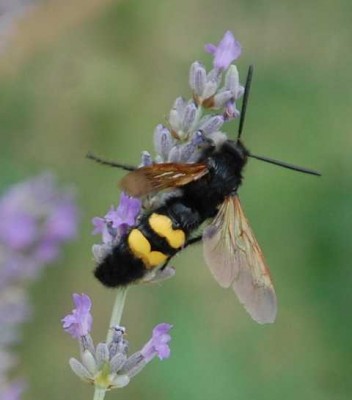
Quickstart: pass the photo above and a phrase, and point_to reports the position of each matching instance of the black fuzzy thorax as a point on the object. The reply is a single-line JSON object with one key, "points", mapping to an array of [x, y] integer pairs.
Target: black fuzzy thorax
{"points": [[225, 166]]}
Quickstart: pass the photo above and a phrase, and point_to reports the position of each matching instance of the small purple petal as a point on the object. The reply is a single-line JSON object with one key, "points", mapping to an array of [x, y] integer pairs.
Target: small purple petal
{"points": [[79, 323], [116, 221], [158, 344], [231, 111], [98, 224], [228, 50], [210, 48], [113, 217], [126, 212]]}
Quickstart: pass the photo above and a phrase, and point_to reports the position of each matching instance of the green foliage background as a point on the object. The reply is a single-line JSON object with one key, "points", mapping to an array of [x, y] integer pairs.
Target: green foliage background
{"points": [[103, 83]]}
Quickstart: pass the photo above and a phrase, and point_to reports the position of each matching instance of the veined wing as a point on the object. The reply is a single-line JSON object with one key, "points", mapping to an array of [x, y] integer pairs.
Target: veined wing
{"points": [[235, 259], [156, 177]]}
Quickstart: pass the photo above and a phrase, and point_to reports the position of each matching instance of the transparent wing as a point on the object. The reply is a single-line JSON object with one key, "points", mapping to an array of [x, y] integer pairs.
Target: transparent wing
{"points": [[235, 259], [156, 177]]}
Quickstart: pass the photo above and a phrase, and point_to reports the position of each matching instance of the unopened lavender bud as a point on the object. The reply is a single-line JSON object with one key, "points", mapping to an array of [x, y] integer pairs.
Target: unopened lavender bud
{"points": [[187, 151], [120, 381], [212, 84], [174, 155], [198, 138], [232, 82], [189, 117], [211, 124], [146, 159], [177, 113], [222, 98], [86, 343], [102, 354], [180, 105], [89, 362], [163, 141], [197, 78], [117, 362], [80, 370], [134, 365], [175, 120]]}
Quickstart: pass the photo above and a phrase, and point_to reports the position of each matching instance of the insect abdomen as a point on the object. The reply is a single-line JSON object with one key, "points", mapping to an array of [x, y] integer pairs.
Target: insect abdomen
{"points": [[142, 249]]}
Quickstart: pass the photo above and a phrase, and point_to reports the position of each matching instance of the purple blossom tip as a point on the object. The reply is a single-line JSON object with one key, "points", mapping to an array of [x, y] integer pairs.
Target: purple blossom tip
{"points": [[158, 344], [79, 323], [228, 50], [98, 224], [117, 220]]}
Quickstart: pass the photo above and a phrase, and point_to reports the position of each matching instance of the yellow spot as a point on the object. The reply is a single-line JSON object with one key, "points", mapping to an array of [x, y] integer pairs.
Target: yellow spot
{"points": [[138, 243], [141, 248], [162, 225]]}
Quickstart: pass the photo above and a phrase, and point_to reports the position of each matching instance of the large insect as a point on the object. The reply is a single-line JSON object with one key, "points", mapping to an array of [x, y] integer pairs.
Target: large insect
{"points": [[207, 195]]}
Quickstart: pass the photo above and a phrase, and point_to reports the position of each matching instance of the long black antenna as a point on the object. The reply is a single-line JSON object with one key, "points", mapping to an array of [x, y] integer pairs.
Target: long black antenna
{"points": [[245, 100], [286, 165], [110, 163]]}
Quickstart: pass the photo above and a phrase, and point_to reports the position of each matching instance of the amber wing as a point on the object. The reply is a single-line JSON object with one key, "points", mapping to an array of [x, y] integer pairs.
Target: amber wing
{"points": [[235, 259], [162, 176]]}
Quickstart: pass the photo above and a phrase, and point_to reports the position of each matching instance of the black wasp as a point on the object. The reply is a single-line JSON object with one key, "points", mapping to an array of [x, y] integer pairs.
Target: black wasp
{"points": [[206, 196]]}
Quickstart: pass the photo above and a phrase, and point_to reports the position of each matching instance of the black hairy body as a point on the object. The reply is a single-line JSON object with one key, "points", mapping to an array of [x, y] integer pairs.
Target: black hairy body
{"points": [[198, 201]]}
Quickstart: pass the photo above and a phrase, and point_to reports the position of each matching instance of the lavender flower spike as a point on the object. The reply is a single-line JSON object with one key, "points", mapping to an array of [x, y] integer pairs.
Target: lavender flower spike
{"points": [[158, 344], [107, 366], [79, 323], [228, 50]]}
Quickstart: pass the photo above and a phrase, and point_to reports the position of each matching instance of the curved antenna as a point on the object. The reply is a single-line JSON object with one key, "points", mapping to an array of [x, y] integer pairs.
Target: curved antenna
{"points": [[286, 165], [245, 100], [110, 163]]}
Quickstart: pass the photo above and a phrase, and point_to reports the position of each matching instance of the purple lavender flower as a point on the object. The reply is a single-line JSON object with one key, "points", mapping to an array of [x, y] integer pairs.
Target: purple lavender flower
{"points": [[216, 91], [126, 213], [116, 221], [36, 218], [79, 323], [12, 391], [228, 50], [158, 344], [107, 366], [115, 224]]}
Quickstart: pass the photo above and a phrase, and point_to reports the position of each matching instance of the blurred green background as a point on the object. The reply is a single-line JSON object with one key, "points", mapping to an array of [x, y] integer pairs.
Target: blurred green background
{"points": [[99, 76]]}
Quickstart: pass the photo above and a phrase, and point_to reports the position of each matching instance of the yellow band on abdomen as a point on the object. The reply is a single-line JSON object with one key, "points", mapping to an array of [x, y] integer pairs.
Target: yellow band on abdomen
{"points": [[162, 225], [140, 247]]}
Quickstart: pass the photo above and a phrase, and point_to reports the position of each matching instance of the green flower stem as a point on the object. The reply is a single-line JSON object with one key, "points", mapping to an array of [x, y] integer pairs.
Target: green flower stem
{"points": [[117, 311], [99, 393]]}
